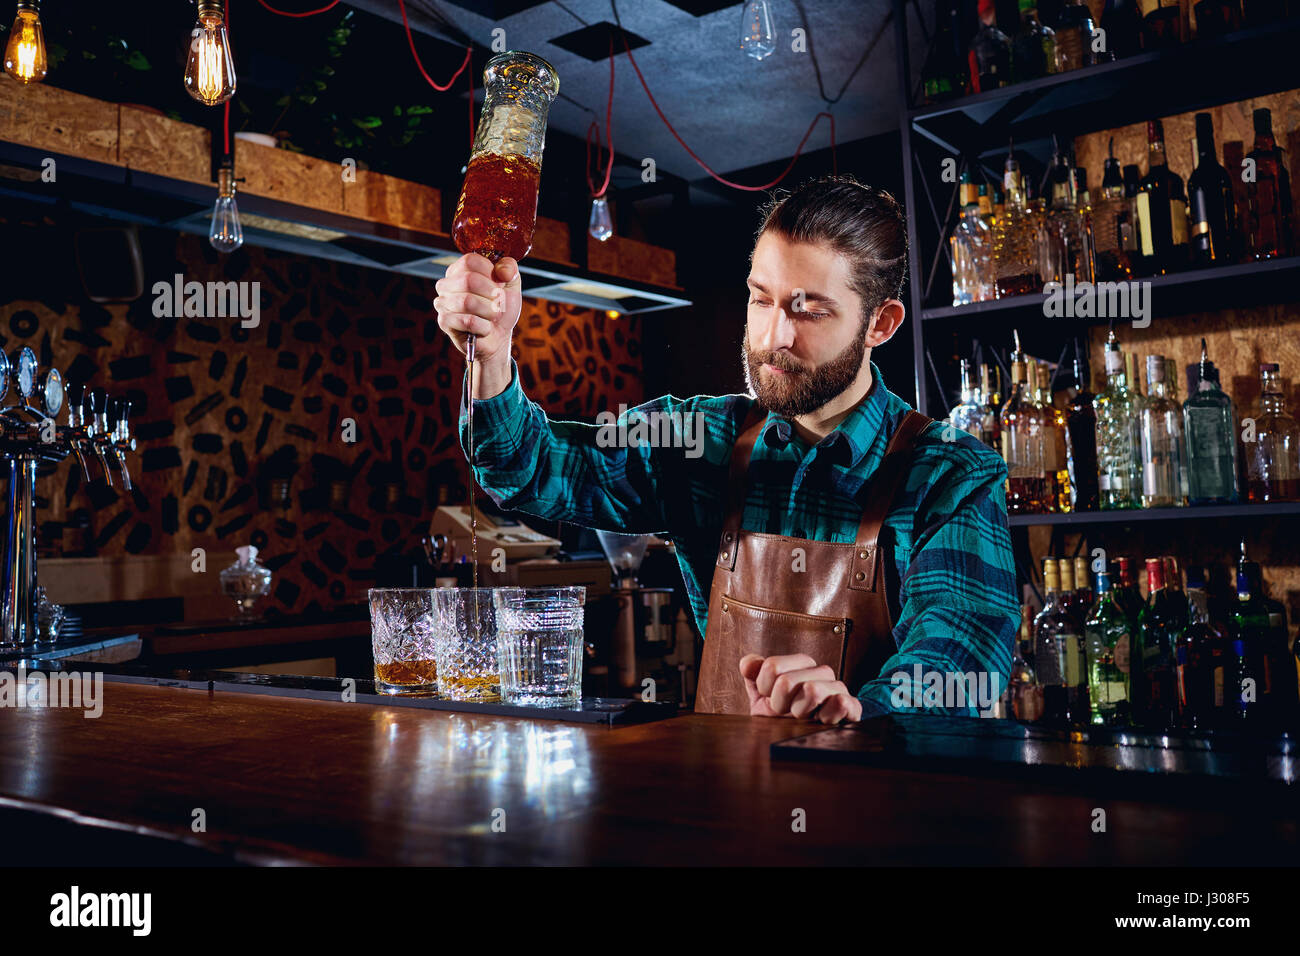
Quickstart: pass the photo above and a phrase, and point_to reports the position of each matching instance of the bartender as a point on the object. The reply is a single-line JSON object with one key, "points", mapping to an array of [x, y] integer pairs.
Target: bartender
{"points": [[844, 555]]}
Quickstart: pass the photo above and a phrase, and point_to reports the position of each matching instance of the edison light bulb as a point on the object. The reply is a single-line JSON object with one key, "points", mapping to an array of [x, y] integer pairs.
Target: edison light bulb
{"points": [[756, 36], [600, 226], [209, 72], [25, 51], [225, 234]]}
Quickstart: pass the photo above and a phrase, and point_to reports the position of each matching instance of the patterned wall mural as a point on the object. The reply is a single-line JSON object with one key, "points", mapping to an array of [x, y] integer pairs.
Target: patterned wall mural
{"points": [[228, 418]]}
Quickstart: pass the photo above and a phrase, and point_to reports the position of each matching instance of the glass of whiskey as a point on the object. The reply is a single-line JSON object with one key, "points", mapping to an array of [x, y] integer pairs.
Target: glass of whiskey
{"points": [[465, 644], [402, 626]]}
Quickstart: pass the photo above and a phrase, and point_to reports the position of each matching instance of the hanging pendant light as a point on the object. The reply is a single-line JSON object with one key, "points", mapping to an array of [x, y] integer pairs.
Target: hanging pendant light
{"points": [[756, 35], [25, 51], [600, 226]]}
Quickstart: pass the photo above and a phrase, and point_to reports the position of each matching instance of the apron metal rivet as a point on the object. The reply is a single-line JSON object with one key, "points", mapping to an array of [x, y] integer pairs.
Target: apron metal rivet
{"points": [[862, 554], [727, 536], [836, 629], [860, 576]]}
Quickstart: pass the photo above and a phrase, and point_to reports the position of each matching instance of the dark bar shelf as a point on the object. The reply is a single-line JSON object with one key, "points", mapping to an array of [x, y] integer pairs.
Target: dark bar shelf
{"points": [[1212, 71], [1196, 290], [1157, 514]]}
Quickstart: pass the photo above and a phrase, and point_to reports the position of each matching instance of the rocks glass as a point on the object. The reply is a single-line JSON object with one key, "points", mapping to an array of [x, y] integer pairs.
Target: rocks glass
{"points": [[540, 646], [402, 627], [465, 644]]}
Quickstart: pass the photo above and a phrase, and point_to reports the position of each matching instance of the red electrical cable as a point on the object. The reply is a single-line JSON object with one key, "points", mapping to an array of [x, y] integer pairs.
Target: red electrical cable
{"points": [[305, 13], [609, 133], [411, 40], [704, 165]]}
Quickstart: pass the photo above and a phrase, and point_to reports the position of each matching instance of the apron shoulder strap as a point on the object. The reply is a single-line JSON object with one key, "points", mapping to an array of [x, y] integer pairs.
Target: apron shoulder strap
{"points": [[736, 483], [881, 492]]}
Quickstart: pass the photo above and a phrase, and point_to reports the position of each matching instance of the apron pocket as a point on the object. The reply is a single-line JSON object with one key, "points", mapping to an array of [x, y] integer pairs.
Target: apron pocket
{"points": [[769, 632]]}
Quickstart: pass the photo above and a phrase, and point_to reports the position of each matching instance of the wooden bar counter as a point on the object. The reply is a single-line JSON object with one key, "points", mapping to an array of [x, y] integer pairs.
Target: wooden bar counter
{"points": [[281, 780]]}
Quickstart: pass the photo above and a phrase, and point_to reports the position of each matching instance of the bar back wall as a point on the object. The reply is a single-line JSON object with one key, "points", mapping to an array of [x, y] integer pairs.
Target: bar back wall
{"points": [[225, 416]]}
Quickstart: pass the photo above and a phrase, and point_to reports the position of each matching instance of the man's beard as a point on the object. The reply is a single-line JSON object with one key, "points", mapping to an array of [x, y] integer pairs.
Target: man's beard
{"points": [[801, 389]]}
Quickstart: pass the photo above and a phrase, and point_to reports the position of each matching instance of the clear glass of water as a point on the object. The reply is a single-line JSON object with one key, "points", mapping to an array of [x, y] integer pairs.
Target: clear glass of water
{"points": [[539, 645], [465, 644]]}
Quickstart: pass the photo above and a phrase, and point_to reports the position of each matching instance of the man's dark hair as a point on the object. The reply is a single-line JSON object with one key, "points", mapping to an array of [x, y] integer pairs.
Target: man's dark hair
{"points": [[862, 223]]}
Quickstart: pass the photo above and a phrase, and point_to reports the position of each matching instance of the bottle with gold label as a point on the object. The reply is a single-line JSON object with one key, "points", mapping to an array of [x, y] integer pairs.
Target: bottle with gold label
{"points": [[1022, 442], [1059, 656], [1162, 210]]}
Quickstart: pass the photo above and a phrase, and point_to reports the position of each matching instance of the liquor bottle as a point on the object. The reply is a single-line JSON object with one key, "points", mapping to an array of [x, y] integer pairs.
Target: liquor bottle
{"points": [[1130, 229], [1081, 439], [1162, 24], [1127, 595], [999, 205], [1268, 195], [1210, 424], [1174, 586], [990, 406], [1155, 703], [1211, 211], [1059, 658], [1074, 29], [986, 211], [1273, 451], [1107, 645], [943, 75], [1083, 209], [967, 416], [1015, 247], [1024, 692], [991, 50], [973, 276], [1203, 658], [1063, 244], [1033, 50], [1164, 450], [1119, 461], [1171, 393], [1162, 208], [1059, 498], [1109, 217], [1216, 18], [1022, 443], [1123, 25], [1261, 626], [1069, 594], [1084, 594]]}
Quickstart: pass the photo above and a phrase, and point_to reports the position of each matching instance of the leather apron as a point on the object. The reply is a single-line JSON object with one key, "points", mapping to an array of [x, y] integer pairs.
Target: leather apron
{"points": [[828, 602]]}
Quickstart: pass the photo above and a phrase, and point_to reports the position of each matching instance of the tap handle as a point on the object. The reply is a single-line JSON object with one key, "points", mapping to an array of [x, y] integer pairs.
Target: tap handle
{"points": [[76, 391], [98, 400], [114, 414]]}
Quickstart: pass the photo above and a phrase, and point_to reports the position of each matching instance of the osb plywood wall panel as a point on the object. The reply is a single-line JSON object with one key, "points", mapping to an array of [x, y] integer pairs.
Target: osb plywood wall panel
{"points": [[163, 146], [45, 117], [215, 403], [1232, 122], [398, 202]]}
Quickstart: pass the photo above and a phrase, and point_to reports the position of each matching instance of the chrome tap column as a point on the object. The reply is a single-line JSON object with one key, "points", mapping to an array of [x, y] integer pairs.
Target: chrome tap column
{"points": [[29, 434]]}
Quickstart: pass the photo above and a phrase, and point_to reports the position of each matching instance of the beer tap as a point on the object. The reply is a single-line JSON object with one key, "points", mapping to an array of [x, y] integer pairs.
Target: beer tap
{"points": [[119, 437], [73, 434], [97, 430], [30, 434]]}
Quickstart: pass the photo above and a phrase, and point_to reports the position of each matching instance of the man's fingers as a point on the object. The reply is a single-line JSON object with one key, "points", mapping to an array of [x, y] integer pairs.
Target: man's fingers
{"points": [[774, 667], [787, 686], [507, 271], [458, 323], [474, 282], [471, 262], [811, 694], [750, 665], [471, 304]]}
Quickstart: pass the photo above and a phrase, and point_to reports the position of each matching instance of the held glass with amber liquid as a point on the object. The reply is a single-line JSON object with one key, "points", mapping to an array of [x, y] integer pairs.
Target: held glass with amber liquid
{"points": [[497, 210]]}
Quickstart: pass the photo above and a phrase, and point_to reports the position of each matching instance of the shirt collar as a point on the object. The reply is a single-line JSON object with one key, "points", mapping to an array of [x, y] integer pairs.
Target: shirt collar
{"points": [[852, 438]]}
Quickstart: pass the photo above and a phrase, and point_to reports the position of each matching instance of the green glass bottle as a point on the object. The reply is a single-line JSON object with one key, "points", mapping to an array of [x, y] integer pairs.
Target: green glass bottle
{"points": [[1261, 625], [1107, 643], [1204, 660], [1119, 460], [1210, 423], [1155, 702]]}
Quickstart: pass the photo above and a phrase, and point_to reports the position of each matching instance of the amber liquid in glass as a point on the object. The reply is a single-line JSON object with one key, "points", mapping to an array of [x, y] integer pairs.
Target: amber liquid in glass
{"points": [[407, 672], [497, 211], [496, 216]]}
